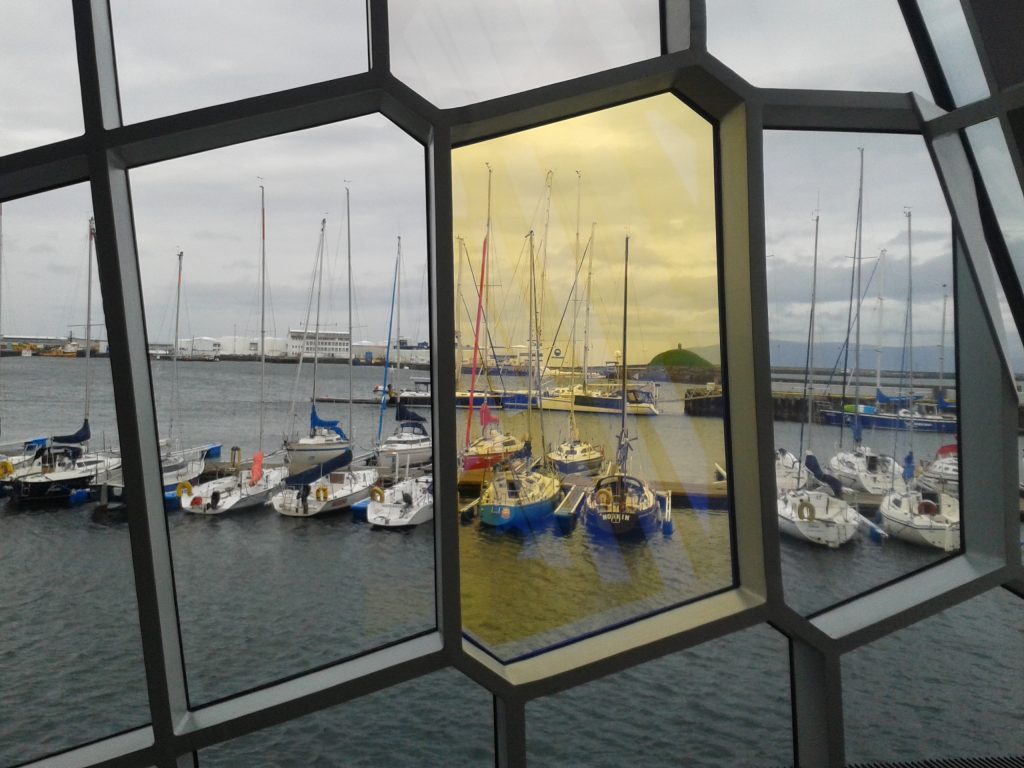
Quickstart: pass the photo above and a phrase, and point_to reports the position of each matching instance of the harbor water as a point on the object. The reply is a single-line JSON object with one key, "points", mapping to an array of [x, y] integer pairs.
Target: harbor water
{"points": [[262, 597]]}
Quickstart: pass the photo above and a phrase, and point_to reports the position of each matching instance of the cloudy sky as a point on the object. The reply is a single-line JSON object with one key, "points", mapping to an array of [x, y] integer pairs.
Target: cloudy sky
{"points": [[175, 57]]}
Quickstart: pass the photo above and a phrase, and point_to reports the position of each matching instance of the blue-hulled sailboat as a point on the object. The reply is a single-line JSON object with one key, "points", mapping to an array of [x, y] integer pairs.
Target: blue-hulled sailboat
{"points": [[619, 503]]}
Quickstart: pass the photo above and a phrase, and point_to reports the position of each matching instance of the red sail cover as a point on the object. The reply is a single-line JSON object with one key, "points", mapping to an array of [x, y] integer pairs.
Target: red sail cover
{"points": [[486, 417], [257, 468]]}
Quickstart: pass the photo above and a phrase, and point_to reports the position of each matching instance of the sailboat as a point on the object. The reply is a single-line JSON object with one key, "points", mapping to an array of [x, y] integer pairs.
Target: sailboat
{"points": [[517, 496], [619, 503], [574, 455], [914, 515], [403, 505], [179, 467], [17, 454], [493, 445], [810, 505], [943, 472], [252, 487], [409, 449], [325, 447], [63, 466], [320, 491]]}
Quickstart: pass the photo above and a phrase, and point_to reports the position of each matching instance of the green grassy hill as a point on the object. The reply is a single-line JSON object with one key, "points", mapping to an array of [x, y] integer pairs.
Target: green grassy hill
{"points": [[680, 358]]}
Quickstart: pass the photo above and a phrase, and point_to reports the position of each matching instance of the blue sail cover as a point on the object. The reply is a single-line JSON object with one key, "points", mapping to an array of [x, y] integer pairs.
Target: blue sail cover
{"points": [[316, 422], [899, 400], [811, 462], [81, 436], [856, 428], [407, 414], [908, 466]]}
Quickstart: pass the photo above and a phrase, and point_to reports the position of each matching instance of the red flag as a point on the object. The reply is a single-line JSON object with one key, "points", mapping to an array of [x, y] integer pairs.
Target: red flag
{"points": [[486, 417], [257, 468]]}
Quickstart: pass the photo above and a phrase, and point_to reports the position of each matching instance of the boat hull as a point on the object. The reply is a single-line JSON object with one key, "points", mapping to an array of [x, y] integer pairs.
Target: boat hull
{"points": [[887, 421], [329, 493], [529, 516], [404, 505], [917, 520], [233, 494], [623, 506], [817, 518]]}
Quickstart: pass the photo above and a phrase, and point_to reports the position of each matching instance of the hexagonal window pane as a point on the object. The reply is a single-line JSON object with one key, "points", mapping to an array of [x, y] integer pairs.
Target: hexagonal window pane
{"points": [[439, 719], [853, 47], [868, 479], [38, 41], [180, 56], [280, 420], [693, 696], [951, 37], [905, 703], [70, 630], [584, 509], [506, 47], [1001, 184]]}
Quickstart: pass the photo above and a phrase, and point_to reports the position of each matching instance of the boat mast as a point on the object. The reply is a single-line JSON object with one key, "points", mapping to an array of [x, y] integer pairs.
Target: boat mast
{"points": [[88, 316], [530, 338], [1, 295], [479, 311], [348, 248], [910, 318], [387, 348], [398, 316], [575, 313], [319, 289], [548, 181], [881, 307], [263, 289], [174, 349], [809, 360], [623, 443], [586, 322], [858, 254], [942, 345], [534, 340]]}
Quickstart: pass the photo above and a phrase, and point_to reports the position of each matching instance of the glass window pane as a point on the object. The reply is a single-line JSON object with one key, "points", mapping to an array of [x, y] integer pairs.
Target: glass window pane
{"points": [[871, 357], [724, 703], [174, 57], [542, 559], [958, 57], [70, 653], [38, 41], [456, 53], [440, 719], [951, 685], [1001, 183], [268, 587], [854, 46]]}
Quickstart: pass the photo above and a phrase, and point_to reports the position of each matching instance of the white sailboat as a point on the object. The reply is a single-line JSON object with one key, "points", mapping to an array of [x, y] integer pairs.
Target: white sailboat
{"points": [[325, 446], [17, 454], [919, 517], [808, 507], [64, 467], [251, 487], [410, 448], [335, 489], [405, 504], [574, 455], [930, 519]]}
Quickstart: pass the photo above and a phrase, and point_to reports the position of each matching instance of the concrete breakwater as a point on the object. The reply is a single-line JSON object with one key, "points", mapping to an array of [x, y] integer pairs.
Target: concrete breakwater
{"points": [[787, 406]]}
